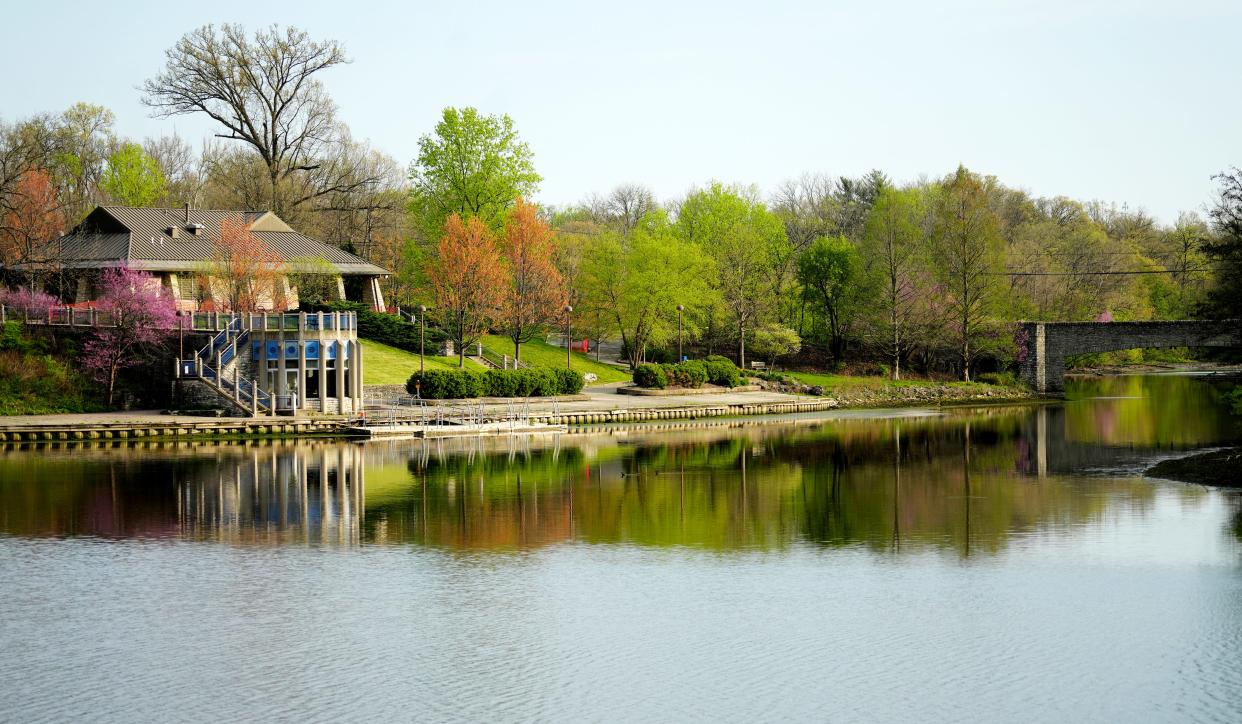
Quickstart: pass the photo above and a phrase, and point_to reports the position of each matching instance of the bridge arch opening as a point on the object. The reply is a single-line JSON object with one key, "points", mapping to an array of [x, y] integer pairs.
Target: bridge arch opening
{"points": [[1043, 347]]}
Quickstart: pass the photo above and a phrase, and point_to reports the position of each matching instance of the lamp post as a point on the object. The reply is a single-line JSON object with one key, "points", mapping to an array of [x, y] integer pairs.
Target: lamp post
{"points": [[680, 308], [569, 337], [180, 335], [422, 329]]}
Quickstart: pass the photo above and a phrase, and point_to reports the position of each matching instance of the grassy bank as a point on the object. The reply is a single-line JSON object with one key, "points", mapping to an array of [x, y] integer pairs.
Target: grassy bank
{"points": [[538, 353], [831, 382], [35, 381], [882, 391], [386, 365]]}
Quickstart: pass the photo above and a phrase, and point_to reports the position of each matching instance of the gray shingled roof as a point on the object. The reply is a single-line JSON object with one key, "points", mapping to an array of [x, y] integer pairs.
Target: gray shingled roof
{"points": [[139, 238]]}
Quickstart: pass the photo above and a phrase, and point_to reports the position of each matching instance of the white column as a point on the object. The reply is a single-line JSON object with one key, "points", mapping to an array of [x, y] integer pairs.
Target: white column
{"points": [[340, 374], [301, 361], [323, 367], [355, 367], [280, 362]]}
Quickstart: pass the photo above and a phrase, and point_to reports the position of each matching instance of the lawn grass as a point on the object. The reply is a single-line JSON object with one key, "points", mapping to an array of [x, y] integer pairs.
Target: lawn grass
{"points": [[384, 365], [538, 353], [844, 382]]}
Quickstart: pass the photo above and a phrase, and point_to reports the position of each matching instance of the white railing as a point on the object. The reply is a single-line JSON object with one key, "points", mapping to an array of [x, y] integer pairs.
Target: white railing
{"points": [[68, 316]]}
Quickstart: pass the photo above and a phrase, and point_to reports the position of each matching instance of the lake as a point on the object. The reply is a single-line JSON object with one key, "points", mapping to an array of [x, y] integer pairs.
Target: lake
{"points": [[992, 563]]}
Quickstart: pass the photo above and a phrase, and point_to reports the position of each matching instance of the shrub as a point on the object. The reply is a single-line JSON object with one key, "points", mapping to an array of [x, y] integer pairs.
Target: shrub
{"points": [[691, 373], [661, 355], [569, 382], [1233, 400], [539, 382], [1003, 379], [723, 373], [447, 384], [718, 358], [502, 383], [650, 376], [779, 377]]}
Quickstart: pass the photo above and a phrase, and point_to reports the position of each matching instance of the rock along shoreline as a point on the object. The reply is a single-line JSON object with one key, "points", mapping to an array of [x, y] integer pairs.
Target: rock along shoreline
{"points": [[1217, 468]]}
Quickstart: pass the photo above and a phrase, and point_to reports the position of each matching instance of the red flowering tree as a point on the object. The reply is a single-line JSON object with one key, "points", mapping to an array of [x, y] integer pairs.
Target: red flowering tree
{"points": [[244, 274], [468, 279], [32, 221], [536, 292], [145, 316]]}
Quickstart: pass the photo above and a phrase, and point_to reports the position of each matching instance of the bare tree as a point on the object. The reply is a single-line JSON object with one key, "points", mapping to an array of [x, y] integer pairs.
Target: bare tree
{"points": [[180, 166], [264, 91], [628, 203]]}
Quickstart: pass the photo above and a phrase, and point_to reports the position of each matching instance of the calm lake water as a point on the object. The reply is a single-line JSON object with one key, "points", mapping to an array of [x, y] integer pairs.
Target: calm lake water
{"points": [[993, 564]]}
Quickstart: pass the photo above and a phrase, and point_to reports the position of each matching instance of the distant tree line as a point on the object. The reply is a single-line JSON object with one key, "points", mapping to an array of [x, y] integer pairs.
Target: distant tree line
{"points": [[926, 275]]}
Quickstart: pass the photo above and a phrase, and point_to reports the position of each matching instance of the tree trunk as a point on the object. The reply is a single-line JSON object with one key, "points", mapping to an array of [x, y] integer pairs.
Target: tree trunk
{"points": [[834, 330], [741, 346]]}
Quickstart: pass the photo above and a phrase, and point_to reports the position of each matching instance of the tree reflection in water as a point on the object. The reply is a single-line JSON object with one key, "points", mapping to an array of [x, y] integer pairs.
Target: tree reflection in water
{"points": [[965, 482]]}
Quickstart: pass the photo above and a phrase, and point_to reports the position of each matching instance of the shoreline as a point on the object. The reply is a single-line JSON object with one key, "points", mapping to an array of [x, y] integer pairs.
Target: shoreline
{"points": [[1214, 468], [598, 408], [1156, 368]]}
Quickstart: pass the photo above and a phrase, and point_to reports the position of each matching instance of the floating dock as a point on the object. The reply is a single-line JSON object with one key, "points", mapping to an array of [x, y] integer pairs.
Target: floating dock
{"points": [[487, 429]]}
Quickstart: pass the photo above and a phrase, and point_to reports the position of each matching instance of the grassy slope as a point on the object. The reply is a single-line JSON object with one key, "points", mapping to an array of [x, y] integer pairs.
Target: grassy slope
{"points": [[386, 365], [841, 382], [33, 382], [541, 354]]}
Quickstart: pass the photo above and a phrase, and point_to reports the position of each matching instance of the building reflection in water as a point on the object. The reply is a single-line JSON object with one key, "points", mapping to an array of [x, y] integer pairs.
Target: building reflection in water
{"points": [[308, 492], [307, 495]]}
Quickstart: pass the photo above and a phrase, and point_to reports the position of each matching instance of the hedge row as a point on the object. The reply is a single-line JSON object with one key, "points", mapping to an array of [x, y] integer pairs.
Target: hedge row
{"points": [[460, 384], [691, 373]]}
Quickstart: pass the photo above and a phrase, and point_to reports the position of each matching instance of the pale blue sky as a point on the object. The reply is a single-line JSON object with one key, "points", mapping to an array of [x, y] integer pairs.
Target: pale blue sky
{"points": [[1131, 102]]}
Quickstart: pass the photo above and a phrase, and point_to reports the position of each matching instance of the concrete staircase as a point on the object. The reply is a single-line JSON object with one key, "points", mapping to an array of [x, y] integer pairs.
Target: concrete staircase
{"points": [[215, 373]]}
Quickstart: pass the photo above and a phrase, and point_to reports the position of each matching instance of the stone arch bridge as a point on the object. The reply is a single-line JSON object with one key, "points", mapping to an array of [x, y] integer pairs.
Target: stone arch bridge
{"points": [[1043, 346]]}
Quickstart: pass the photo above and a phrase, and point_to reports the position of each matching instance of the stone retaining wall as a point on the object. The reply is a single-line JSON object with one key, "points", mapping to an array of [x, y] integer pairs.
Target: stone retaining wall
{"points": [[169, 430]]}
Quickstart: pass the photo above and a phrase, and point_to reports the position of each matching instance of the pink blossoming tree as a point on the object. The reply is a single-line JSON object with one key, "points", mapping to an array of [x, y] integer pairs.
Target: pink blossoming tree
{"points": [[25, 303], [145, 316]]}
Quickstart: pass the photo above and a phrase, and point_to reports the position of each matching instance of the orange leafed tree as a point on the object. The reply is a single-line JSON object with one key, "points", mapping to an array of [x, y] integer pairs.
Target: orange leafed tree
{"points": [[32, 222], [243, 271], [468, 279], [535, 294]]}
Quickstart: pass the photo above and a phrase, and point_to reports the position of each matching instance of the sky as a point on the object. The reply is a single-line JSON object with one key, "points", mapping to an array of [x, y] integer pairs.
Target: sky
{"points": [[1129, 102]]}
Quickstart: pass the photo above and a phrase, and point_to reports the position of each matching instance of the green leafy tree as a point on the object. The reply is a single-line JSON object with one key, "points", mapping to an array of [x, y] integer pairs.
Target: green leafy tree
{"points": [[968, 252], [133, 178], [746, 241], [472, 165], [829, 271], [640, 279], [891, 246], [1226, 249], [776, 340]]}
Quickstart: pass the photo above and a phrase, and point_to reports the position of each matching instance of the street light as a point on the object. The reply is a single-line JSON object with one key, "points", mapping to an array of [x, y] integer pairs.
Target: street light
{"points": [[569, 337], [180, 335], [422, 329], [680, 308]]}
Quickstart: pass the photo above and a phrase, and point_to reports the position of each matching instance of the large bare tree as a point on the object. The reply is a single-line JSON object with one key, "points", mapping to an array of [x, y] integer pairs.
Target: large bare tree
{"points": [[264, 89]]}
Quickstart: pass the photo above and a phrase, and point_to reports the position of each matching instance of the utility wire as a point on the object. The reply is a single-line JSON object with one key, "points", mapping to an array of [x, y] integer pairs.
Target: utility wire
{"points": [[1125, 272]]}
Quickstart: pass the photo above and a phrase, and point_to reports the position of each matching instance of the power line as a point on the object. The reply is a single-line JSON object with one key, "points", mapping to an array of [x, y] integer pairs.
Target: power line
{"points": [[1124, 272]]}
